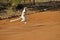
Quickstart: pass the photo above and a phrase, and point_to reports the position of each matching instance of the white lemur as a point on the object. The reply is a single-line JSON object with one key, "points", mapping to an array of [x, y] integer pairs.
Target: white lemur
{"points": [[23, 17]]}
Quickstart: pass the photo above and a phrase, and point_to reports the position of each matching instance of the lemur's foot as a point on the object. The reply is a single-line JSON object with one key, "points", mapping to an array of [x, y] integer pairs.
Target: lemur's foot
{"points": [[25, 22]]}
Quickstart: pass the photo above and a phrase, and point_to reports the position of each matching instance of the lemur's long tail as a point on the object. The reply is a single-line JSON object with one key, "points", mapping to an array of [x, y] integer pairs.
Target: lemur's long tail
{"points": [[15, 20]]}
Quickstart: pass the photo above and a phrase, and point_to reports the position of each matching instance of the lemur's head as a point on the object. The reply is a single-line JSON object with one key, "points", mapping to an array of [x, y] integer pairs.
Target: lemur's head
{"points": [[25, 7], [24, 10]]}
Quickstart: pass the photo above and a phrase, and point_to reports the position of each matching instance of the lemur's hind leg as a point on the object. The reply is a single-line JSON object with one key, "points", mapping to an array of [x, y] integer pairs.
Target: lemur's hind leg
{"points": [[23, 19]]}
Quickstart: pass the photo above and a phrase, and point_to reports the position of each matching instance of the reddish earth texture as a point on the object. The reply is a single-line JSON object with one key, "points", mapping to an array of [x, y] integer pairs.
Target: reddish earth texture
{"points": [[40, 26]]}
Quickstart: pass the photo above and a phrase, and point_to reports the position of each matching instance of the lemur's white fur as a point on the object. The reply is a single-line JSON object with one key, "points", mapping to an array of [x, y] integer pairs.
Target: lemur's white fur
{"points": [[23, 18], [23, 15]]}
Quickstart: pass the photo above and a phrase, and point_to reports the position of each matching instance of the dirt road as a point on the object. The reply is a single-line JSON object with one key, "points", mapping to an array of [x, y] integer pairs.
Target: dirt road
{"points": [[40, 26]]}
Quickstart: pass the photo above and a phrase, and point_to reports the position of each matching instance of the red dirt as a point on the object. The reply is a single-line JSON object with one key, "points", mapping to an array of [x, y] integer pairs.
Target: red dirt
{"points": [[40, 26]]}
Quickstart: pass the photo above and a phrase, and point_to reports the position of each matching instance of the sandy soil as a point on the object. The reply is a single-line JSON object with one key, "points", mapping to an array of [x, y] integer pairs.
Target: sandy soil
{"points": [[40, 26]]}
